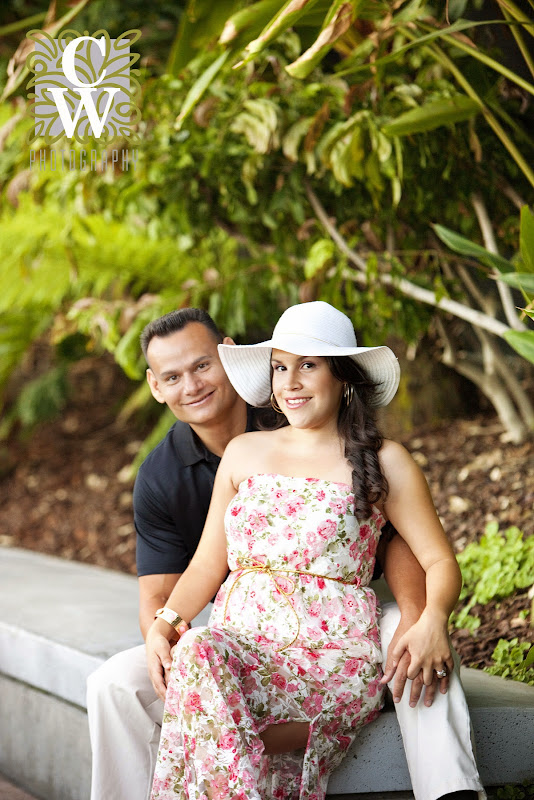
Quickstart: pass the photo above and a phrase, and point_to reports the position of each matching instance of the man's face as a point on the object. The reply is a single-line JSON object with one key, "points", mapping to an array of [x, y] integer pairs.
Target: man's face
{"points": [[186, 373]]}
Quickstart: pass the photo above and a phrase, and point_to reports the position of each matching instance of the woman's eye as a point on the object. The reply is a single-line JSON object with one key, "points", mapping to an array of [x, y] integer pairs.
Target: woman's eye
{"points": [[278, 368]]}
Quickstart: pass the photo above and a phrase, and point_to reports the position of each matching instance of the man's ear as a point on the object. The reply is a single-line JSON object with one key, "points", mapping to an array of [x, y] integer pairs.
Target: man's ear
{"points": [[228, 340], [153, 383]]}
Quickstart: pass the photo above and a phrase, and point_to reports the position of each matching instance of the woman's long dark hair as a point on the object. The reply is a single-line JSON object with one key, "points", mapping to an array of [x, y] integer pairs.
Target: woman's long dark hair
{"points": [[356, 424]]}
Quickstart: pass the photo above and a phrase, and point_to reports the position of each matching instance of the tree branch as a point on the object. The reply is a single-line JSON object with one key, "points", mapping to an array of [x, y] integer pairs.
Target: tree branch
{"points": [[491, 245], [512, 195], [485, 303], [402, 285]]}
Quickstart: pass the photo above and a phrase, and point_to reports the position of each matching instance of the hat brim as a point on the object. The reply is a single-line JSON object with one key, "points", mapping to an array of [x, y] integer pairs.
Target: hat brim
{"points": [[248, 366]]}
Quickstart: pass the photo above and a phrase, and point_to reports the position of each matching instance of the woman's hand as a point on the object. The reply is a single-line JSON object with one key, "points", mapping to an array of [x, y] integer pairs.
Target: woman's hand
{"points": [[159, 653], [401, 668], [428, 645]]}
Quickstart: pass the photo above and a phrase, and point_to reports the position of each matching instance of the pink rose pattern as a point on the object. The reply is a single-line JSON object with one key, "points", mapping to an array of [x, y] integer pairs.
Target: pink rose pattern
{"points": [[234, 678]]}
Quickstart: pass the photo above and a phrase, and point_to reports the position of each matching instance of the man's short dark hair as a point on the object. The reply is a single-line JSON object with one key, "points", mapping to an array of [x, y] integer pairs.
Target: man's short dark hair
{"points": [[177, 321]]}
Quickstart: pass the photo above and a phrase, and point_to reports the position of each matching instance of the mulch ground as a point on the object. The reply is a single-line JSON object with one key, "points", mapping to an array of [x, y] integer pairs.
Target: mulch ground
{"points": [[65, 489]]}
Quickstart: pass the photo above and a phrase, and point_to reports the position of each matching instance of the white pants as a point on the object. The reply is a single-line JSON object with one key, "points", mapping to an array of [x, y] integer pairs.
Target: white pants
{"points": [[125, 724], [437, 740]]}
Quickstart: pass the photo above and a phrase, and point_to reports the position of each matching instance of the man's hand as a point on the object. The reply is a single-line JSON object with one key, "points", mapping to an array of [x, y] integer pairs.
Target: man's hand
{"points": [[400, 672], [159, 652], [159, 661]]}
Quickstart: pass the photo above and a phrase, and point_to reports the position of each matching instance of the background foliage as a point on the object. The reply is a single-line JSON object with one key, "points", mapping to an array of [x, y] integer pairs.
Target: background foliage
{"points": [[307, 172]]}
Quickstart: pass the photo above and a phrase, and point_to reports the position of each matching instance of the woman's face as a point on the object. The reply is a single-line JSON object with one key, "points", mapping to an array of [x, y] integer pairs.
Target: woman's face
{"points": [[305, 389]]}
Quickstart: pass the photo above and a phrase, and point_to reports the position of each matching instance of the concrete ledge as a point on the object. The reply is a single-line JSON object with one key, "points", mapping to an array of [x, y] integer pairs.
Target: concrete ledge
{"points": [[59, 620]]}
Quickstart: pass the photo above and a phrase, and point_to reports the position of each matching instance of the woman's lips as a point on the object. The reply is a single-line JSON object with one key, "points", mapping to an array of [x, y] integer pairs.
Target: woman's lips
{"points": [[296, 402]]}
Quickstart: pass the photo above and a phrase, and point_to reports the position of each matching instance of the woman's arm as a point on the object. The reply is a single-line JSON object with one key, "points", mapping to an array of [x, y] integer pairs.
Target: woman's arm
{"points": [[199, 582], [410, 508], [406, 579]]}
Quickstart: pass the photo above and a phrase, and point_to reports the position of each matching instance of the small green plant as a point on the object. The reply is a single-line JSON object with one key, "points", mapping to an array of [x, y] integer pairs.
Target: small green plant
{"points": [[524, 791], [40, 400], [493, 568], [513, 659]]}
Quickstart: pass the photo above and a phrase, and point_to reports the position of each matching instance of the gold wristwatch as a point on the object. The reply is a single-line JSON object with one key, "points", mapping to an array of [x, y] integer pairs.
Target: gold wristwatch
{"points": [[169, 616]]}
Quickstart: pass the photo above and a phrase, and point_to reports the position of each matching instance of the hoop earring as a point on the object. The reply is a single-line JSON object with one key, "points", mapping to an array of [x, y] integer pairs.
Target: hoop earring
{"points": [[274, 406], [348, 393]]}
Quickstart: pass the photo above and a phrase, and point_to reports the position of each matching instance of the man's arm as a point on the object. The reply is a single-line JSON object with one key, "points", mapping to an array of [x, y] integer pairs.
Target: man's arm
{"points": [[160, 548], [154, 591], [406, 579]]}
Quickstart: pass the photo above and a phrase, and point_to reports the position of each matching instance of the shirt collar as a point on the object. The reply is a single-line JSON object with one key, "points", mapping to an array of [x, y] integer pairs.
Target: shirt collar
{"points": [[193, 450]]}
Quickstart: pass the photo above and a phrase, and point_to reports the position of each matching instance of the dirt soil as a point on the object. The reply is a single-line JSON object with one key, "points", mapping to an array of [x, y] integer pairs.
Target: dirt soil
{"points": [[65, 489]]}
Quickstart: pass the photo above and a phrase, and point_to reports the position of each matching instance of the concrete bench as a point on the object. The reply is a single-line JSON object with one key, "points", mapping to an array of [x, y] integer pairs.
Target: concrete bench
{"points": [[59, 620]]}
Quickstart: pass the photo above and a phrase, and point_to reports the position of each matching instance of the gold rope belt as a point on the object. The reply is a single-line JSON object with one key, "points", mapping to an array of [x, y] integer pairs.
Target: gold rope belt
{"points": [[272, 573]]}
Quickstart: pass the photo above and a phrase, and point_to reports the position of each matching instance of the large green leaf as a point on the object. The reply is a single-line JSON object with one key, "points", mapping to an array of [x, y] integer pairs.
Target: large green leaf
{"points": [[249, 20], [433, 115], [200, 26], [521, 280], [199, 87], [22, 24], [526, 238], [337, 22], [321, 253], [522, 342], [287, 16], [466, 247]]}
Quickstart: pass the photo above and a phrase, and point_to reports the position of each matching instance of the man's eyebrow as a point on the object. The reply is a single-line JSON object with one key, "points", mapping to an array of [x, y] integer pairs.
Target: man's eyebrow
{"points": [[193, 364]]}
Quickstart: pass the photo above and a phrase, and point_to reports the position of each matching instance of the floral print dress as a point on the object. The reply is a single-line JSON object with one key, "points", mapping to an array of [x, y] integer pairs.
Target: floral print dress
{"points": [[293, 636]]}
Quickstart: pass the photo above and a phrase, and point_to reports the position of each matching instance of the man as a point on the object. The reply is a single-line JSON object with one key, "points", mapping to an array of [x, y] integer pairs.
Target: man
{"points": [[171, 499]]}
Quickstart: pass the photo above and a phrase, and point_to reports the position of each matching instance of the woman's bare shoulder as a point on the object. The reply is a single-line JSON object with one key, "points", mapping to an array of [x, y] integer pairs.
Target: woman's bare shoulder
{"points": [[248, 442], [247, 453], [393, 456]]}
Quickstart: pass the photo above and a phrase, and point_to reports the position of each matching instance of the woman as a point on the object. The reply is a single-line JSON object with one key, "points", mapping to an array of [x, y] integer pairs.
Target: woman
{"points": [[265, 701]]}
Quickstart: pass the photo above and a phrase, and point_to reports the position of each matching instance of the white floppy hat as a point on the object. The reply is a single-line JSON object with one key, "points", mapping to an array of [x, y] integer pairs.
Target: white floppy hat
{"points": [[307, 329]]}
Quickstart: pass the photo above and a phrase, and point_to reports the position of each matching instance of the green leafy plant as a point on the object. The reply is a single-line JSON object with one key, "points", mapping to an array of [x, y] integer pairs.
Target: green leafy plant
{"points": [[40, 400], [524, 791], [406, 32], [493, 568], [513, 659], [255, 189]]}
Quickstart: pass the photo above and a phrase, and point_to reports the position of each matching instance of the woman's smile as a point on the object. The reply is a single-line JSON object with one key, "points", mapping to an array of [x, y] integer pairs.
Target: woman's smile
{"points": [[296, 402]]}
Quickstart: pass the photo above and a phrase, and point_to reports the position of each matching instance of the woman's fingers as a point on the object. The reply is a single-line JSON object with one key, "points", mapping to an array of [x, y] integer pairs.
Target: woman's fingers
{"points": [[400, 648]]}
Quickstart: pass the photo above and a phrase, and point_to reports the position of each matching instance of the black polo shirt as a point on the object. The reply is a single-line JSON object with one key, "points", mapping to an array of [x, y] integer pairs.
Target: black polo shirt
{"points": [[172, 494]]}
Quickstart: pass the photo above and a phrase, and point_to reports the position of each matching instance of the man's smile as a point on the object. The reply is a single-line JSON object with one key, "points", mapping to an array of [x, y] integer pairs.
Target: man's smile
{"points": [[200, 400]]}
